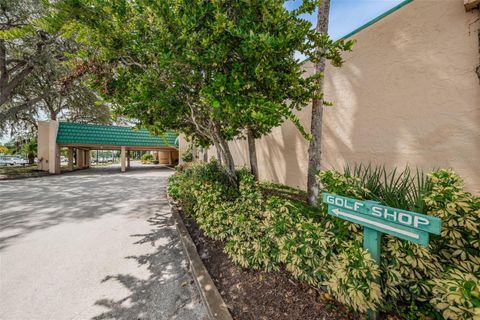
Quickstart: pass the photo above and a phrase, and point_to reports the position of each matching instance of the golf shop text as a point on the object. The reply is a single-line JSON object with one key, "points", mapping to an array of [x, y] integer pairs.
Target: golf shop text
{"points": [[390, 214]]}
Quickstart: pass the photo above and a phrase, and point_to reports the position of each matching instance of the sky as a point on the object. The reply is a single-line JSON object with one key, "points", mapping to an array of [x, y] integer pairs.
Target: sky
{"points": [[347, 15]]}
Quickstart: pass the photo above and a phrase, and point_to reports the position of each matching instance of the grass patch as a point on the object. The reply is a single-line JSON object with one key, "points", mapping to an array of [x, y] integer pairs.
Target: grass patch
{"points": [[13, 172]]}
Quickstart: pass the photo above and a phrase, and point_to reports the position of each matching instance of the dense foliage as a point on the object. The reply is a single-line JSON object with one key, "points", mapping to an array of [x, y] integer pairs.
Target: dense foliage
{"points": [[210, 69], [266, 231], [147, 158], [33, 74], [187, 155]]}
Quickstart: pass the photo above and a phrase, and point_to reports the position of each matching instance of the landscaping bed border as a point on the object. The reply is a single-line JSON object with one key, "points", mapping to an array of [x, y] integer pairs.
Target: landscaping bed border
{"points": [[213, 301]]}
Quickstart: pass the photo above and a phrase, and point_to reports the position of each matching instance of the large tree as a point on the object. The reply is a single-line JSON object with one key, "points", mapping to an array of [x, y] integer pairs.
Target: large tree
{"points": [[59, 98], [34, 77], [21, 51], [211, 69]]}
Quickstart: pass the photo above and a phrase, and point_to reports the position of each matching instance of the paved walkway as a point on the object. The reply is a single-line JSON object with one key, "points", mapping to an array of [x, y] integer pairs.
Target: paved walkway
{"points": [[93, 244]]}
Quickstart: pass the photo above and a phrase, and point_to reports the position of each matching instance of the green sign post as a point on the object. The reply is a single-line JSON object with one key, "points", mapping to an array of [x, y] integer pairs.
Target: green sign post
{"points": [[377, 219]]}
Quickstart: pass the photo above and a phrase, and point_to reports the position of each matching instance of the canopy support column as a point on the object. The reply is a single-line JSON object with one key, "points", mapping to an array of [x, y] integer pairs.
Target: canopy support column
{"points": [[87, 159], [80, 158], [70, 159], [128, 159], [53, 149], [122, 159]]}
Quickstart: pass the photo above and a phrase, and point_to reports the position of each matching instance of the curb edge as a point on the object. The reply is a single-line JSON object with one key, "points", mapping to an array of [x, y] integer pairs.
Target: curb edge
{"points": [[213, 301]]}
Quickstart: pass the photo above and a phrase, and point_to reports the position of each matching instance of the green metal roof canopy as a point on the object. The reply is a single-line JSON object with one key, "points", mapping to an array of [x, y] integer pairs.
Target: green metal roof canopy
{"points": [[90, 134]]}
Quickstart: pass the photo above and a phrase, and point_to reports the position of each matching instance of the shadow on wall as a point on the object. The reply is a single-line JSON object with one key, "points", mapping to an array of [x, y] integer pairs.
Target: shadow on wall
{"points": [[410, 99], [408, 94], [283, 155]]}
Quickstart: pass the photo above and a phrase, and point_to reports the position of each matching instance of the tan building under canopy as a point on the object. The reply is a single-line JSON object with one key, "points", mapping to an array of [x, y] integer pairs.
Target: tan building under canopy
{"points": [[82, 138]]}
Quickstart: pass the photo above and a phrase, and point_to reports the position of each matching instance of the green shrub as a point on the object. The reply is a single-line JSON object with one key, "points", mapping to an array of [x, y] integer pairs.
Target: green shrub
{"points": [[212, 210], [264, 231], [396, 188], [343, 184], [352, 279], [407, 268], [147, 158], [457, 295], [185, 185], [305, 250], [247, 244], [187, 156], [457, 292], [459, 243], [175, 186]]}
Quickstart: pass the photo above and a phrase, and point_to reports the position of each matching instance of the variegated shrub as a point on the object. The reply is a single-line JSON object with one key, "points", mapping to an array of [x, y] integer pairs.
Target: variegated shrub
{"points": [[457, 295], [352, 279], [267, 232]]}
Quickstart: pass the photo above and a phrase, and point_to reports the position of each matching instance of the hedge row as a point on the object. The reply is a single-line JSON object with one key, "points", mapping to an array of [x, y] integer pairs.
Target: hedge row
{"points": [[269, 232]]}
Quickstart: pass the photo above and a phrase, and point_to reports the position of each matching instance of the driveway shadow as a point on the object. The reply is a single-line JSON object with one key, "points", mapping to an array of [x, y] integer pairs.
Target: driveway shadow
{"points": [[168, 291], [34, 204]]}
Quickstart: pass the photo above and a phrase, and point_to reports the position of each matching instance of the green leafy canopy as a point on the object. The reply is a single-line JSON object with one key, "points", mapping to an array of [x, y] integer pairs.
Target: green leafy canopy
{"points": [[207, 68]]}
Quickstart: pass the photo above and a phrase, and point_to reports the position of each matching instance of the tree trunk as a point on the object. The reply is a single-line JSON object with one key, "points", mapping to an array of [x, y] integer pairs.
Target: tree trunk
{"points": [[31, 158], [228, 163], [52, 110], [315, 147], [219, 154], [252, 154], [205, 154], [194, 152]]}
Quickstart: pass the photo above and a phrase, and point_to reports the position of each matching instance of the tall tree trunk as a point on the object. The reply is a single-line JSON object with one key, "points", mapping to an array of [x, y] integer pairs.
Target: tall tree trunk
{"points": [[315, 147], [252, 153]]}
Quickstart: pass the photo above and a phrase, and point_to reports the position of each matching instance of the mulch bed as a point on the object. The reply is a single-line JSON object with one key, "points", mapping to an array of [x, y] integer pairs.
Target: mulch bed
{"points": [[259, 295]]}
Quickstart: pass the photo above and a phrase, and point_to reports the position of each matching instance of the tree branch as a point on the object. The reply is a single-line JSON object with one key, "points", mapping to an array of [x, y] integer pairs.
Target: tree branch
{"points": [[8, 89], [9, 113], [3, 63]]}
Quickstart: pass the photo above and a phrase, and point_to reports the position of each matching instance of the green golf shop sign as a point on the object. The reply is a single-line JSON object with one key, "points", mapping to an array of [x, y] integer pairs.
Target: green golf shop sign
{"points": [[378, 219]]}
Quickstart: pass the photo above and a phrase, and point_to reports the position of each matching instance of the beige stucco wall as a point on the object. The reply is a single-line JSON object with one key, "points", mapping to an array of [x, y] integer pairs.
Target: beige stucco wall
{"points": [[167, 157], [407, 94], [48, 152], [53, 149], [43, 142]]}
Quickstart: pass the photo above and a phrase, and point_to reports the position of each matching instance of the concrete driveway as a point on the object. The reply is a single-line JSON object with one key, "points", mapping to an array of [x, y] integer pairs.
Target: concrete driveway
{"points": [[93, 244]]}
